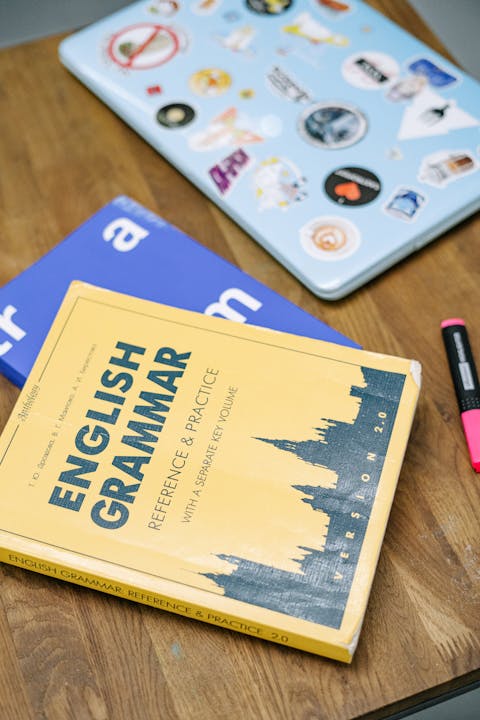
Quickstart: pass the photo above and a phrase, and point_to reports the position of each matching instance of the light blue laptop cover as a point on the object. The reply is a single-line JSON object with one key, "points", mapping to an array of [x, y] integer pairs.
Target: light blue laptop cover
{"points": [[338, 141]]}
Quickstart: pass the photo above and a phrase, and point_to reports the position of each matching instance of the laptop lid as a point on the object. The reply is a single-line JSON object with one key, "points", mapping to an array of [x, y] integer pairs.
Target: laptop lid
{"points": [[335, 139]]}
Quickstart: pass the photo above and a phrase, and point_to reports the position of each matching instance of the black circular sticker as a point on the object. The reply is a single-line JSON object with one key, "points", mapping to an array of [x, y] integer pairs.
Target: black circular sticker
{"points": [[332, 126], [352, 186], [269, 7], [175, 115]]}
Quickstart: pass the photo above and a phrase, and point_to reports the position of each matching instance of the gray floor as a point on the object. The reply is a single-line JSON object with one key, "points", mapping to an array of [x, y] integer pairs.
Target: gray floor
{"points": [[456, 22], [23, 20], [459, 707]]}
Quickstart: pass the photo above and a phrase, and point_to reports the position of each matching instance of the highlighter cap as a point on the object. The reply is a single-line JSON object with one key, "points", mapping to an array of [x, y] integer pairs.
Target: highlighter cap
{"points": [[452, 321], [471, 427]]}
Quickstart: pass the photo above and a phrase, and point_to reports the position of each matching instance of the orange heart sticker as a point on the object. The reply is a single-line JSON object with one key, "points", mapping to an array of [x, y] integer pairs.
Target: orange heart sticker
{"points": [[348, 190]]}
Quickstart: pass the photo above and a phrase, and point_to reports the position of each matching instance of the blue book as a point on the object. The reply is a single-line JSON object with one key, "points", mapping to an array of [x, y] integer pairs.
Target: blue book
{"points": [[127, 248]]}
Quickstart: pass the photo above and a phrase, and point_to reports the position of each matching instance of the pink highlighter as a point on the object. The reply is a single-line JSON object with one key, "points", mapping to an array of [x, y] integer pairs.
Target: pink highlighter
{"points": [[465, 381]]}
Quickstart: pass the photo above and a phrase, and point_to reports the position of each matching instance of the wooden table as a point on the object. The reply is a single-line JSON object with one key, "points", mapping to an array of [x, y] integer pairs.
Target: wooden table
{"points": [[69, 652]]}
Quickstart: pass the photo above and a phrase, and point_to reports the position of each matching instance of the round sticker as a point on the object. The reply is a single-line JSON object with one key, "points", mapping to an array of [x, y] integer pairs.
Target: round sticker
{"points": [[210, 82], [329, 238], [143, 46], [269, 7], [370, 70], [332, 126], [352, 186], [175, 115]]}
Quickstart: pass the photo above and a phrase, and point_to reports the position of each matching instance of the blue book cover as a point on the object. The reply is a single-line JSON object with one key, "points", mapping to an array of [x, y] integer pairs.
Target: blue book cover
{"points": [[127, 248]]}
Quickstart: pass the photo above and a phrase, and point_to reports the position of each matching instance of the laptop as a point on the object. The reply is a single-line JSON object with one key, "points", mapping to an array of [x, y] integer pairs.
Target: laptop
{"points": [[338, 141]]}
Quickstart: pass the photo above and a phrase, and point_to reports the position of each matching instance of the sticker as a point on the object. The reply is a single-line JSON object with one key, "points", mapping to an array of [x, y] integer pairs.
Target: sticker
{"points": [[175, 115], [144, 46], [305, 26], [278, 184], [231, 16], [283, 84], [405, 204], [335, 8], [154, 90], [370, 70], [166, 8], [238, 40], [431, 114], [332, 126], [352, 186], [407, 88], [226, 172], [446, 166], [247, 93], [210, 82], [394, 153], [230, 128], [205, 7], [424, 73], [330, 238], [269, 7], [436, 76]]}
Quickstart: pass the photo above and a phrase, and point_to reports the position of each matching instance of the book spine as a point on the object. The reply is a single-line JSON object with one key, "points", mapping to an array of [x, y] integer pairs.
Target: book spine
{"points": [[80, 576]]}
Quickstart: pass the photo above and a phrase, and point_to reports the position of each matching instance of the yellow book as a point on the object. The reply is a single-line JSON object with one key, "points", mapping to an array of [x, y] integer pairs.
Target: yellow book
{"points": [[229, 473]]}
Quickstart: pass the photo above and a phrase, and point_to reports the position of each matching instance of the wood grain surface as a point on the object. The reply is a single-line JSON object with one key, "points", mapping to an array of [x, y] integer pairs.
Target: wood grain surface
{"points": [[71, 653]]}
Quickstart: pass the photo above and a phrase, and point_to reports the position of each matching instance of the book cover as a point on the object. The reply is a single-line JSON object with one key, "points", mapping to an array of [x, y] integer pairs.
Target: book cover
{"points": [[226, 472], [127, 248]]}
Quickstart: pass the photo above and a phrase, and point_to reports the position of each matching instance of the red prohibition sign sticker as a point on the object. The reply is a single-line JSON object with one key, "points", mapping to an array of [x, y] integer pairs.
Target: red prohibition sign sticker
{"points": [[143, 46]]}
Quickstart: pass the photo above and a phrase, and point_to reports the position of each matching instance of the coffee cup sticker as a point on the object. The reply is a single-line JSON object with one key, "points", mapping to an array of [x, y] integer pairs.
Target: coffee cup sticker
{"points": [[370, 70], [351, 186], [332, 126], [330, 238]]}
